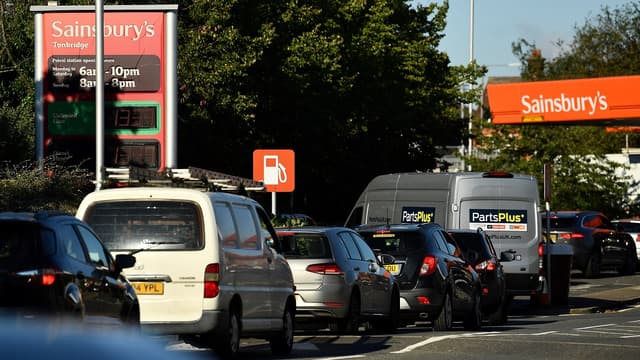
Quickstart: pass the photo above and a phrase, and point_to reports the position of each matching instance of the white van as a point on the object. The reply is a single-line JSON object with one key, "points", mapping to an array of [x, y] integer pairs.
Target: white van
{"points": [[505, 205], [207, 268]]}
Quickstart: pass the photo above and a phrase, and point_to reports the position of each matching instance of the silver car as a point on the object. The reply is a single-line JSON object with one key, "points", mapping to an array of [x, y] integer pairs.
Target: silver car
{"points": [[340, 283]]}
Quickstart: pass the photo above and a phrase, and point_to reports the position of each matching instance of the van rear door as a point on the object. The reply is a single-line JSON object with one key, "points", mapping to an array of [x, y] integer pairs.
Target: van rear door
{"points": [[168, 238]]}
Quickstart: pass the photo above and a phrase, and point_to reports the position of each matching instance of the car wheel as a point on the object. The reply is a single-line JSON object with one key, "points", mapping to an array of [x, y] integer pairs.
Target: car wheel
{"points": [[282, 343], [392, 321], [499, 316], [228, 344], [444, 321], [593, 266], [473, 319], [629, 267], [351, 323]]}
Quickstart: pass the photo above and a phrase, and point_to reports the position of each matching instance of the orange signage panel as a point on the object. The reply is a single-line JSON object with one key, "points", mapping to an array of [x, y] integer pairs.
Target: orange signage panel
{"points": [[595, 99], [275, 168]]}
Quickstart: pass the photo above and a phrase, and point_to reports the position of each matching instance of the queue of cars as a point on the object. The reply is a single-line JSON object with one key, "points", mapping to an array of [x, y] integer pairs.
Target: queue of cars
{"points": [[211, 268]]}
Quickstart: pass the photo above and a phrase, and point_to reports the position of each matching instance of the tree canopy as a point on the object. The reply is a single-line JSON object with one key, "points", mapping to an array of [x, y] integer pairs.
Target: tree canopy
{"points": [[356, 88], [605, 45]]}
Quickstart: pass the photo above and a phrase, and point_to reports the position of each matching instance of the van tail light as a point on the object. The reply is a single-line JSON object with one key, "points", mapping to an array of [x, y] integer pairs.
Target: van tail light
{"points": [[46, 277], [325, 269], [488, 265], [428, 265], [211, 279], [541, 249]]}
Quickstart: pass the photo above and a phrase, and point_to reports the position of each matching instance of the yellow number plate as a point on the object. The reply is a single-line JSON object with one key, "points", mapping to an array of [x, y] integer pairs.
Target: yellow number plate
{"points": [[392, 268], [554, 237], [148, 288]]}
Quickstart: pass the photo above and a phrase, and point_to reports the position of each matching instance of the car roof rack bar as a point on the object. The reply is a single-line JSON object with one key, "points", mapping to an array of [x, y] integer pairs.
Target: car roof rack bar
{"points": [[190, 177]]}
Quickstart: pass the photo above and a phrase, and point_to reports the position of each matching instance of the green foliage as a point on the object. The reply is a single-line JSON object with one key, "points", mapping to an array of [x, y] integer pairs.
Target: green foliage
{"points": [[27, 186], [606, 45]]}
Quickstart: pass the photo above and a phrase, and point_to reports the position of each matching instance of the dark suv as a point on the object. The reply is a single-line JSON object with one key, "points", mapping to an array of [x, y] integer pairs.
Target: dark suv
{"points": [[596, 243], [479, 251], [52, 265], [436, 283]]}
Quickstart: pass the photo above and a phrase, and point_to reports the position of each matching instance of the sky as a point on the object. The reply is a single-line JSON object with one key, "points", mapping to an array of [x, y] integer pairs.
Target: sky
{"points": [[499, 23]]}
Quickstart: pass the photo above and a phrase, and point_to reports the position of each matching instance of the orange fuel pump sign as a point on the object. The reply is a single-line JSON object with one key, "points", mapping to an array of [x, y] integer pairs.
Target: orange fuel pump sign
{"points": [[601, 100]]}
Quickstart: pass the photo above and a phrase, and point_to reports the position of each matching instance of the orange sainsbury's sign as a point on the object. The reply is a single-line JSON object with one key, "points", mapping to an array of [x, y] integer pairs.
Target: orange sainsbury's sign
{"points": [[601, 100]]}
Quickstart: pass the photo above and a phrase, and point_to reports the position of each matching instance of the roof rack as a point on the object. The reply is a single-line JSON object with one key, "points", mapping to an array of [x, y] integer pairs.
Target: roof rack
{"points": [[191, 177]]}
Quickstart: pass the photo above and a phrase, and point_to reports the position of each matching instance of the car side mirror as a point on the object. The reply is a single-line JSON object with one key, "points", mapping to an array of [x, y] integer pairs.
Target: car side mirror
{"points": [[386, 259], [124, 261], [508, 255]]}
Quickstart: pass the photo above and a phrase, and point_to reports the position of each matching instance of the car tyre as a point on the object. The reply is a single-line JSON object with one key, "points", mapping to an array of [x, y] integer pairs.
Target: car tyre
{"points": [[392, 321], [473, 318], [593, 266], [228, 344], [499, 316], [444, 321], [630, 265], [351, 323], [282, 343]]}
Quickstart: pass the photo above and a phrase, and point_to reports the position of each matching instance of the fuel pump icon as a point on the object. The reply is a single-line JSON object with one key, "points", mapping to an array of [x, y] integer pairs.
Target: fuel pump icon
{"points": [[274, 172]]}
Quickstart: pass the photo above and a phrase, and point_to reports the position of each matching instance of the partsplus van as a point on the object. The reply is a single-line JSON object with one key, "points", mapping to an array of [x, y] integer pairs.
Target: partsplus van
{"points": [[505, 205]]}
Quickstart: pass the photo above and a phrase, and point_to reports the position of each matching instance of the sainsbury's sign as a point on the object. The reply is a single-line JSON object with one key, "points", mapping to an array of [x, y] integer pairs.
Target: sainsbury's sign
{"points": [[595, 99]]}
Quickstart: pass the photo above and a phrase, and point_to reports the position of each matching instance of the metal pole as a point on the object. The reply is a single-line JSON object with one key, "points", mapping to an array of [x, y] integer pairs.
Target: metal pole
{"points": [[471, 5], [99, 92], [273, 203]]}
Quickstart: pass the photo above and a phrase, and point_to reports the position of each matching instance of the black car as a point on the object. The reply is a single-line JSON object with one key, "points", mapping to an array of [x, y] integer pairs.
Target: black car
{"points": [[596, 242], [436, 283], [479, 251], [53, 266]]}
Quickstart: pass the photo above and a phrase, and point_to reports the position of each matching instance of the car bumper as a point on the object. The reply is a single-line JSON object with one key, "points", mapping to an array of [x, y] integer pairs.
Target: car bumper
{"points": [[215, 321]]}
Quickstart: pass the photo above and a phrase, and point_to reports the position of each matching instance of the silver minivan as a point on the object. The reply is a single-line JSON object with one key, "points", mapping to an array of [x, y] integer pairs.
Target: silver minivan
{"points": [[208, 265]]}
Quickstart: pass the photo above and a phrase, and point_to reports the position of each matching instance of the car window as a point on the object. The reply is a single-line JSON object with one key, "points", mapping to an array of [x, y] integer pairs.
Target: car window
{"points": [[22, 245], [131, 225], [629, 227], [71, 244], [394, 242], [352, 249], [226, 227], [307, 246], [365, 250], [441, 243], [561, 222], [97, 253], [452, 247], [247, 228]]}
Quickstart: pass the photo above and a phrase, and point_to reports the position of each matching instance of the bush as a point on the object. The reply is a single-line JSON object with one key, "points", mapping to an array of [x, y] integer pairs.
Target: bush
{"points": [[27, 186]]}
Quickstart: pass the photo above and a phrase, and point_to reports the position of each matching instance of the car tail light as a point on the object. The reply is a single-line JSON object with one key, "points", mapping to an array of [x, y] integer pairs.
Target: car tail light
{"points": [[46, 277], [488, 265], [423, 300], [638, 238], [211, 278], [325, 269], [568, 236], [428, 265]]}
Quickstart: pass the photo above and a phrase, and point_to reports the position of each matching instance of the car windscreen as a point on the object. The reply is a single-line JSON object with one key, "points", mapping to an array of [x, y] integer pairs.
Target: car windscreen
{"points": [[394, 243], [22, 245], [306, 246], [148, 225]]}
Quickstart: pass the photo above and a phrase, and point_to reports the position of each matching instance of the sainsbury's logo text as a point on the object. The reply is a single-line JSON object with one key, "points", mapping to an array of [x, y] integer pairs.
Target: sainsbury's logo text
{"points": [[77, 30], [564, 103]]}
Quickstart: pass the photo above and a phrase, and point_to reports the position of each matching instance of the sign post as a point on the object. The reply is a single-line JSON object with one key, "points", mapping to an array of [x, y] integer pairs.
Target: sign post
{"points": [[276, 170]]}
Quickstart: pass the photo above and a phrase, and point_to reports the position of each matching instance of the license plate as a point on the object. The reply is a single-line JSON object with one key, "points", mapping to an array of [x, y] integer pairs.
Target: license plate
{"points": [[392, 268], [148, 288], [554, 237]]}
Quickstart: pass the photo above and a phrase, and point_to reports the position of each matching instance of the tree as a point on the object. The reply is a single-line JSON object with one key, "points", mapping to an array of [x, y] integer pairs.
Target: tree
{"points": [[606, 45]]}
